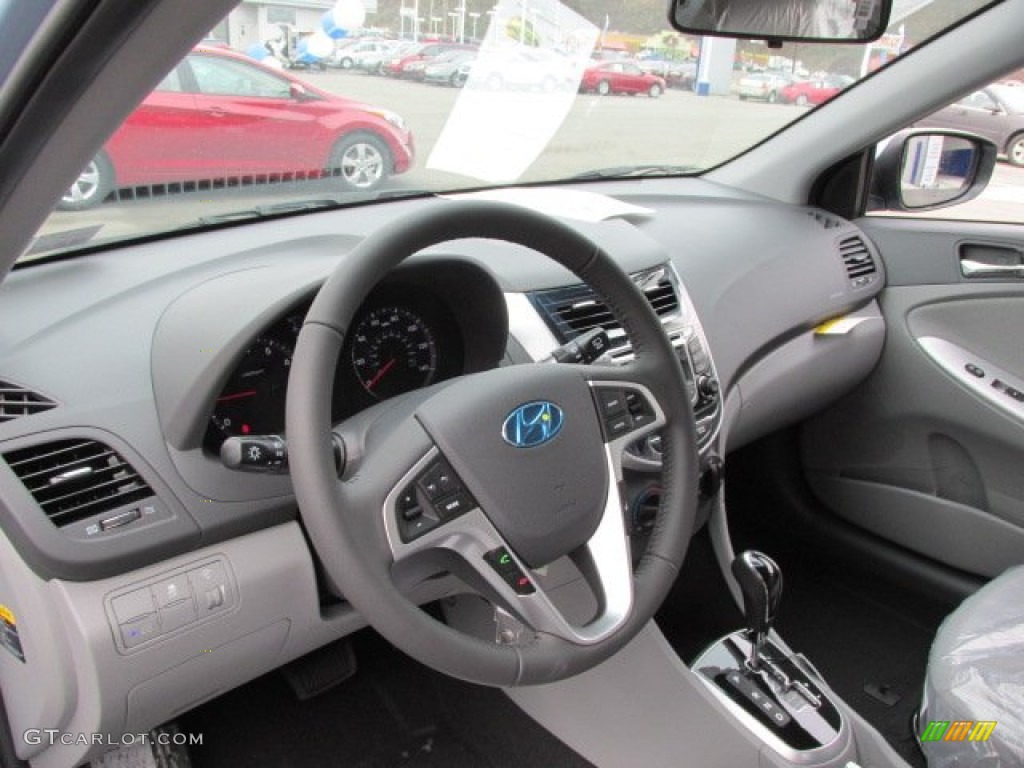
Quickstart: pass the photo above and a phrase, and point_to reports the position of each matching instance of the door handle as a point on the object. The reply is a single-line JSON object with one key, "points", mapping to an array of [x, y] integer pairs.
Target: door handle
{"points": [[216, 112], [972, 268]]}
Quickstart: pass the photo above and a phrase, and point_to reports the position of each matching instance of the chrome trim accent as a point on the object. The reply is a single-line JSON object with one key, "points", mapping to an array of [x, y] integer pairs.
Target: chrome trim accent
{"points": [[954, 360], [979, 269], [819, 755], [528, 328], [472, 535]]}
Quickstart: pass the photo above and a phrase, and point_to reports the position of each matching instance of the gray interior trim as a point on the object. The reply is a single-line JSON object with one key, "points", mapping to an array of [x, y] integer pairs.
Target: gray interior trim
{"points": [[988, 381], [803, 375], [644, 706], [277, 618], [956, 534]]}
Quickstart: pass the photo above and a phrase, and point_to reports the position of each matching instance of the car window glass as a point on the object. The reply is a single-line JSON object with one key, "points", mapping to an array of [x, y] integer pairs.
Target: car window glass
{"points": [[235, 78], [172, 82], [1003, 198], [979, 100]]}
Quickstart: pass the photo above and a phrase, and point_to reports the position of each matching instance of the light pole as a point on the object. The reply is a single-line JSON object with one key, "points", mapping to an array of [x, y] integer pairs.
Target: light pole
{"points": [[475, 17], [434, 21], [492, 29], [455, 24]]}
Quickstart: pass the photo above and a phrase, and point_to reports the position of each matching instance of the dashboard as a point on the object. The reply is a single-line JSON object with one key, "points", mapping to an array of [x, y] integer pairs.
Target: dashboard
{"points": [[138, 362]]}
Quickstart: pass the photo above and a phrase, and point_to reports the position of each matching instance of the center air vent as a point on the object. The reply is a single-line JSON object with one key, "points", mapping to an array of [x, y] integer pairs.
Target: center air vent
{"points": [[576, 309], [75, 479], [860, 266], [17, 401]]}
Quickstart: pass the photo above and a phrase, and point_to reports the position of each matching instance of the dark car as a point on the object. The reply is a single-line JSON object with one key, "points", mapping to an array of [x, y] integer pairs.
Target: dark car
{"points": [[621, 77], [995, 112]]}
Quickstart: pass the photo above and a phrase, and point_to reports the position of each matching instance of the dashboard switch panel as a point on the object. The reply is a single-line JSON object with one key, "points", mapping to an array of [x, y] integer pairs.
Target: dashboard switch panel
{"points": [[159, 606]]}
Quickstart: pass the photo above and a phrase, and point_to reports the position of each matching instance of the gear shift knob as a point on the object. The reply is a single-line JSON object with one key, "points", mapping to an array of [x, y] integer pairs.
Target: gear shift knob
{"points": [[760, 581]]}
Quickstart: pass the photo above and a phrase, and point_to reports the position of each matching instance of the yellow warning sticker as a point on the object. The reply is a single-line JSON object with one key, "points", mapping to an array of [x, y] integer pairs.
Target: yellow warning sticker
{"points": [[9, 637]]}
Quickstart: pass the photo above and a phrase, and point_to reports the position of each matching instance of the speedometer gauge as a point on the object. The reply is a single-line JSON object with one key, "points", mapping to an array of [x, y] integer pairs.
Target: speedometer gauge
{"points": [[252, 401], [393, 351]]}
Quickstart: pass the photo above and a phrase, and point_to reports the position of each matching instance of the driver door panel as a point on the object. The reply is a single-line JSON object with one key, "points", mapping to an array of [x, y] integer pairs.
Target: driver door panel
{"points": [[926, 452]]}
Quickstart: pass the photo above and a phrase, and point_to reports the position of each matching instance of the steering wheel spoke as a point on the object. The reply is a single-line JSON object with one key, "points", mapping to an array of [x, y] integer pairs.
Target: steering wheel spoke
{"points": [[417, 523]]}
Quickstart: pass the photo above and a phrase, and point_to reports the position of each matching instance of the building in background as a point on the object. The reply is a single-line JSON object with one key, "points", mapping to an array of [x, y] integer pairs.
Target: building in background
{"points": [[255, 21]]}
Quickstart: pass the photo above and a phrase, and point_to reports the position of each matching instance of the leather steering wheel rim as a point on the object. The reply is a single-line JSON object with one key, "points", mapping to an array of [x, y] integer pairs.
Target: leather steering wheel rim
{"points": [[347, 520]]}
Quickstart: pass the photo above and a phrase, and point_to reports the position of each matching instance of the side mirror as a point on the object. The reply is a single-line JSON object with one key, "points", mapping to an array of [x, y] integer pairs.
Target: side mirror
{"points": [[825, 21], [922, 169], [298, 92]]}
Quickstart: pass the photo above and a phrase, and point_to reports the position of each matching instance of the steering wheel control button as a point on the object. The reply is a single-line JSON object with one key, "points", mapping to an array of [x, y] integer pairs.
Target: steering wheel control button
{"points": [[501, 561], [434, 497], [453, 506], [639, 409], [612, 402], [622, 410], [439, 480]]}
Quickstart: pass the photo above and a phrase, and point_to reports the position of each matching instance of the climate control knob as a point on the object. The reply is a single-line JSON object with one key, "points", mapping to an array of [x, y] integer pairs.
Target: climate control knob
{"points": [[707, 386]]}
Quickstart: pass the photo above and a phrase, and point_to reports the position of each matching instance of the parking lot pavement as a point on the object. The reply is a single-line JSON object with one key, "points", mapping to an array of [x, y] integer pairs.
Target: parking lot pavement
{"points": [[667, 129]]}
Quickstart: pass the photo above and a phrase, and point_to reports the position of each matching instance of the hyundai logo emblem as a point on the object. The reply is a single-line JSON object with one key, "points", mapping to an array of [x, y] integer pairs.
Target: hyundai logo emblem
{"points": [[532, 424]]}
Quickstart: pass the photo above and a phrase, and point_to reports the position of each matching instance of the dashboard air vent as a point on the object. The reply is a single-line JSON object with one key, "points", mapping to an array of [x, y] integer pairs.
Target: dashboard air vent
{"points": [[576, 309], [75, 479], [17, 401], [857, 259]]}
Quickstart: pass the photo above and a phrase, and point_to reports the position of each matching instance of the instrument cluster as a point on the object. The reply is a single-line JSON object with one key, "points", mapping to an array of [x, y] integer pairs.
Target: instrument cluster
{"points": [[401, 340]]}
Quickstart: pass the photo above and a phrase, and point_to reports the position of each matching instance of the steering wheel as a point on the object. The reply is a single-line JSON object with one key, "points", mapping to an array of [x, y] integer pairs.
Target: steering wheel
{"points": [[494, 474]]}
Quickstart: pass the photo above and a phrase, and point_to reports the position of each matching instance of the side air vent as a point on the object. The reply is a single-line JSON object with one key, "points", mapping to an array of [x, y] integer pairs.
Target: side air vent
{"points": [[860, 267], [17, 401], [75, 479], [577, 309]]}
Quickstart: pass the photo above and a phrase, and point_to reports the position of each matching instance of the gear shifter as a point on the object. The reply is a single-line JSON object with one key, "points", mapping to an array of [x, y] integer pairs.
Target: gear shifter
{"points": [[760, 581]]}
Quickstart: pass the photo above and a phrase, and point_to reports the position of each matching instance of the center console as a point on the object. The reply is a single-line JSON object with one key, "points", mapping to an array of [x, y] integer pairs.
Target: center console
{"points": [[776, 695]]}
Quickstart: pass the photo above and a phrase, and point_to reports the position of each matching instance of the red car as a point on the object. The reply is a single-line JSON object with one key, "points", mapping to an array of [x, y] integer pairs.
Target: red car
{"points": [[420, 56], [621, 77], [219, 117], [815, 92]]}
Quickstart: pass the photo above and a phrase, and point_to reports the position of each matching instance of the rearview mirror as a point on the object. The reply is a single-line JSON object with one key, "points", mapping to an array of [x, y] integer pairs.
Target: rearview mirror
{"points": [[832, 21], [925, 169]]}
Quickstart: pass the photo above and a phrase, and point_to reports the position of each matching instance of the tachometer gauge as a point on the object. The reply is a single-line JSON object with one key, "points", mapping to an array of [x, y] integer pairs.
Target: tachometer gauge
{"points": [[393, 351], [253, 400]]}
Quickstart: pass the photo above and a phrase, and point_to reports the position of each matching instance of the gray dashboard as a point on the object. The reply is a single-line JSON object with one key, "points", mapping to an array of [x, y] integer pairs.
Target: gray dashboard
{"points": [[130, 347]]}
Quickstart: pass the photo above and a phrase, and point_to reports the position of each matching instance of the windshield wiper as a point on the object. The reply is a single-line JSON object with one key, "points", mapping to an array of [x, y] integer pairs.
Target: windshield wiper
{"points": [[262, 212], [634, 171]]}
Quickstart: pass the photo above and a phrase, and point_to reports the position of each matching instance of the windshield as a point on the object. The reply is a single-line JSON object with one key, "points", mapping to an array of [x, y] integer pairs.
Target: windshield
{"points": [[277, 109]]}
